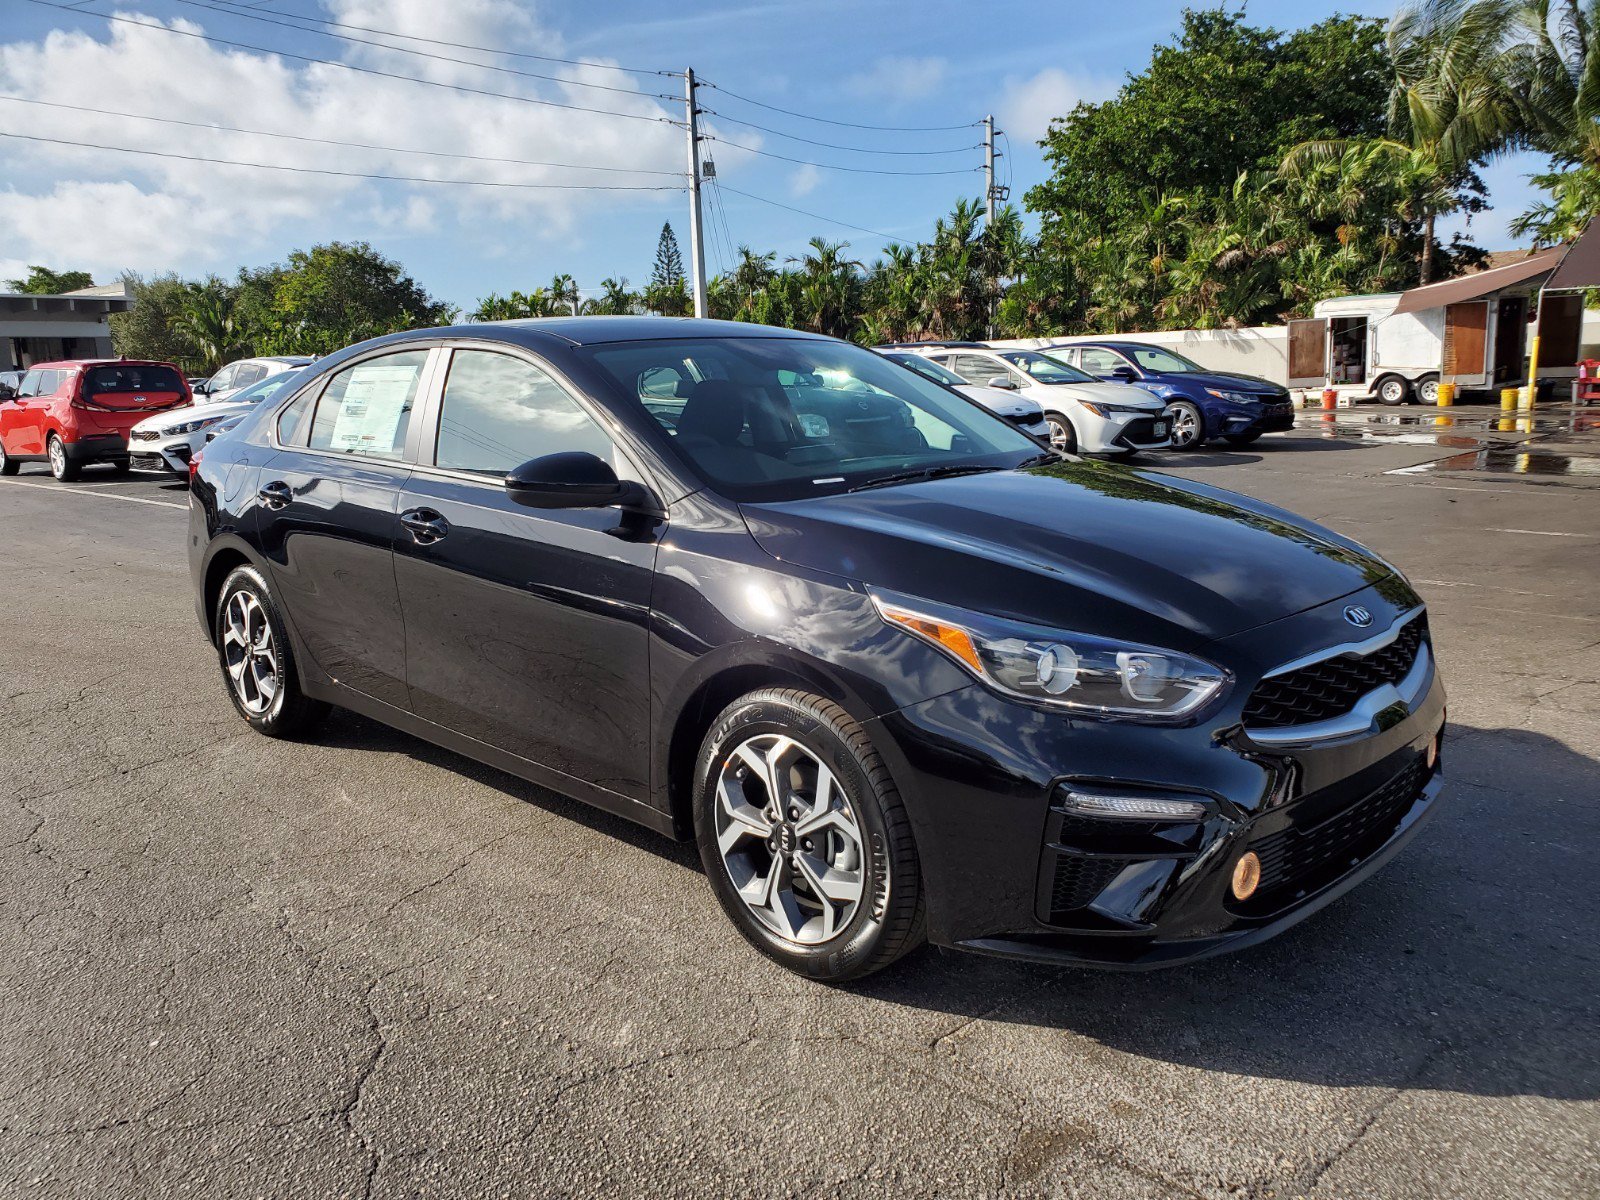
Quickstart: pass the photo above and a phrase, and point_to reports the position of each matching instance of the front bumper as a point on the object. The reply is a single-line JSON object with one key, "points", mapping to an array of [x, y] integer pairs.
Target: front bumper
{"points": [[1118, 433], [1008, 871], [169, 455], [1257, 418]]}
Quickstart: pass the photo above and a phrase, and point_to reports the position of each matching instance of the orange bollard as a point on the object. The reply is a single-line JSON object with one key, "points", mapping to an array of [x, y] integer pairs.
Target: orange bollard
{"points": [[1330, 398]]}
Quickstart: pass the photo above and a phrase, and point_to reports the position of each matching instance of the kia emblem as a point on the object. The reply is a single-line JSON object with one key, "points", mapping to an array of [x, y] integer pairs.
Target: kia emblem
{"points": [[1357, 616]]}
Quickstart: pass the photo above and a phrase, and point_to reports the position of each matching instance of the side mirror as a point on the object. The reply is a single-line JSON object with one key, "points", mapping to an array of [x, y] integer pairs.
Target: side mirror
{"points": [[574, 479], [1124, 374], [1005, 383]]}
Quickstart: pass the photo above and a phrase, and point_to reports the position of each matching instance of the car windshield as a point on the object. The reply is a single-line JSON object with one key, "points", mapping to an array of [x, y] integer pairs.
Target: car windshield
{"points": [[1166, 362], [264, 389], [928, 369], [785, 418], [1046, 369]]}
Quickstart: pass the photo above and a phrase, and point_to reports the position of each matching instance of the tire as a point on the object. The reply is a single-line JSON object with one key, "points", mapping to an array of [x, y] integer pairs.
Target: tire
{"points": [[245, 608], [1393, 391], [1240, 439], [62, 467], [860, 838], [1188, 425], [1428, 390], [8, 465], [1063, 437]]}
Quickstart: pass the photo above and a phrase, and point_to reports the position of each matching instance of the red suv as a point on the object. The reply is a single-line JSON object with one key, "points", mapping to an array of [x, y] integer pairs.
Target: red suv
{"points": [[71, 413]]}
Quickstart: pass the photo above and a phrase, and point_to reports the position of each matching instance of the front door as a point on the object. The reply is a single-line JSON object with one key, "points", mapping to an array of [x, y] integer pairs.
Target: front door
{"points": [[329, 518], [526, 628]]}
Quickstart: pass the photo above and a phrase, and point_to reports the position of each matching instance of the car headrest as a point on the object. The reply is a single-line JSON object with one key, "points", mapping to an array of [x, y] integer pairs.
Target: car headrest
{"points": [[715, 411]]}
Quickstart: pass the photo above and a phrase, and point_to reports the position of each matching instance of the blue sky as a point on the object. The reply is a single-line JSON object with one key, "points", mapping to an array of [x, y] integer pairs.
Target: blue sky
{"points": [[848, 61]]}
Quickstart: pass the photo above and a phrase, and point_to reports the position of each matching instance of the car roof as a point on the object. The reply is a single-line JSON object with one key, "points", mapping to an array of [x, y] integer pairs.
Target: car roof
{"points": [[591, 331], [933, 346], [1112, 344], [67, 364]]}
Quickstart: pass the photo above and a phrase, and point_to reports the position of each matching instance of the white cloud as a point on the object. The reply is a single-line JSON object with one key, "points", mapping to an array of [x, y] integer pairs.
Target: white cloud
{"points": [[104, 211], [804, 181], [898, 79], [1027, 105]]}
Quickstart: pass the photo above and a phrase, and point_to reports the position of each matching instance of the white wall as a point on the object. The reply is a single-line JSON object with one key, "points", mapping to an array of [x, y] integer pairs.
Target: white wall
{"points": [[1261, 350]]}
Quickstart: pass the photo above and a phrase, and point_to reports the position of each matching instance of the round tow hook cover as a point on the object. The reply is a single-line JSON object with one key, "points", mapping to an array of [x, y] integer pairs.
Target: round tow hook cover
{"points": [[1246, 876]]}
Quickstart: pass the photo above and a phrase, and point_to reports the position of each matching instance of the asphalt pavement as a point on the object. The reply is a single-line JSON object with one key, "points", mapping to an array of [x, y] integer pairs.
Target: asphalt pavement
{"points": [[362, 966]]}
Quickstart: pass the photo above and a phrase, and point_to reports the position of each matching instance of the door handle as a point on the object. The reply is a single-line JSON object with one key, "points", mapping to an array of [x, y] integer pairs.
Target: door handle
{"points": [[426, 526], [276, 494]]}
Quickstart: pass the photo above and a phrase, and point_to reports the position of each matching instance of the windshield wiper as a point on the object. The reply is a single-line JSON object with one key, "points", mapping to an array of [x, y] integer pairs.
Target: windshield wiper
{"points": [[1039, 460], [925, 474]]}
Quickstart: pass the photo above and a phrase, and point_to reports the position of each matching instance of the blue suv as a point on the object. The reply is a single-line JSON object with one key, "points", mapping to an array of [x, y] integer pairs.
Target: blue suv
{"points": [[1202, 404]]}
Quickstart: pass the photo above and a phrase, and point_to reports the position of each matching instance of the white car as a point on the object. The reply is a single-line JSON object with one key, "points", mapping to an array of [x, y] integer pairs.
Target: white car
{"points": [[237, 376], [166, 442], [1022, 412], [1085, 415]]}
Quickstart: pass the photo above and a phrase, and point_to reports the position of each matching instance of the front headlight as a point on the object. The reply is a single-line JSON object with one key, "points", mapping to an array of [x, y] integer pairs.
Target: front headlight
{"points": [[189, 427], [1094, 676], [1233, 397]]}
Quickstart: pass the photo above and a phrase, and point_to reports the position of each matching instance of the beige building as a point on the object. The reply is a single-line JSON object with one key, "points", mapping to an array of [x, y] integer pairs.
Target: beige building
{"points": [[36, 329]]}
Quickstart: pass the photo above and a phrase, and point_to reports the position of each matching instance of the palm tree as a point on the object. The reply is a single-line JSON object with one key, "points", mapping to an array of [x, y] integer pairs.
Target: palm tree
{"points": [[1451, 107], [828, 284], [1558, 93], [211, 321]]}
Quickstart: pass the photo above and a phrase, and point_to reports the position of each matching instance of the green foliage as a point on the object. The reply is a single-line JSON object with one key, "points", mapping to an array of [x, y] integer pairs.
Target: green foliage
{"points": [[154, 327], [42, 281], [668, 290]]}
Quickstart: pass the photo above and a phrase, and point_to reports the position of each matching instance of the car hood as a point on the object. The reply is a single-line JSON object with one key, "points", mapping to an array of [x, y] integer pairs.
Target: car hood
{"points": [[1121, 394], [1082, 545], [1002, 402], [1227, 380], [193, 412]]}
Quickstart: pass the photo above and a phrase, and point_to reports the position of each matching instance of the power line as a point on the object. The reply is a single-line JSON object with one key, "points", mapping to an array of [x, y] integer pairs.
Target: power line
{"points": [[327, 62], [795, 137], [789, 112], [814, 216], [275, 19], [407, 37], [229, 162], [295, 137], [806, 162]]}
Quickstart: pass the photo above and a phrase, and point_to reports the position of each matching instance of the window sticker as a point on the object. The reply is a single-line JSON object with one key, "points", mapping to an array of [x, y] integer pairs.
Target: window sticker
{"points": [[374, 408]]}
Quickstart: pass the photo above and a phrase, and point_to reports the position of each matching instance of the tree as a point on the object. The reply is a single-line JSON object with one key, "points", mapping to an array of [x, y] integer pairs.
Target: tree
{"points": [[668, 292], [42, 281], [614, 300], [1553, 62], [153, 327], [329, 296], [210, 319]]}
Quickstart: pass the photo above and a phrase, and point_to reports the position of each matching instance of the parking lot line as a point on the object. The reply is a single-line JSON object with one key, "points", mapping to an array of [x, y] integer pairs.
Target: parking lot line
{"points": [[61, 487]]}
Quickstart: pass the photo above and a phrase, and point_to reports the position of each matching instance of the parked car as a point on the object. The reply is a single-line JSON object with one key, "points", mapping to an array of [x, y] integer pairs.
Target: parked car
{"points": [[895, 669], [1022, 412], [1203, 404], [167, 442], [237, 376], [72, 413], [10, 381], [1084, 415]]}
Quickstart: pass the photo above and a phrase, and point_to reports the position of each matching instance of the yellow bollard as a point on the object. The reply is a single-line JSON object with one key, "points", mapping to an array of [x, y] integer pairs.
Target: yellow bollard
{"points": [[1508, 398], [1507, 424], [1447, 395]]}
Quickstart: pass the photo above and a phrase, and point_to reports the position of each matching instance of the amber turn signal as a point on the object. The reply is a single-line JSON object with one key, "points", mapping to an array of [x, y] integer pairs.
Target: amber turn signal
{"points": [[1246, 876], [1433, 751]]}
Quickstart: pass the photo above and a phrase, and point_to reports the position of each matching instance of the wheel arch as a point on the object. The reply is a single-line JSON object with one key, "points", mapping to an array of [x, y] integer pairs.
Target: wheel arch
{"points": [[221, 563]]}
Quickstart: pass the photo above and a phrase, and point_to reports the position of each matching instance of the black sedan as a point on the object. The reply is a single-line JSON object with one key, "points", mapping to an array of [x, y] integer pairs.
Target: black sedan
{"points": [[898, 673]]}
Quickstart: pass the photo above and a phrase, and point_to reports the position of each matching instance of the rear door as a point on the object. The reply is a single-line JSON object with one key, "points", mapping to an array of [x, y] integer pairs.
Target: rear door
{"points": [[1308, 352], [525, 628], [328, 517], [1466, 341]]}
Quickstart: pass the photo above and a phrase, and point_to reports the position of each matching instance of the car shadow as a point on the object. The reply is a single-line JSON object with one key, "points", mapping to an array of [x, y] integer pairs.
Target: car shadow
{"points": [[1468, 963]]}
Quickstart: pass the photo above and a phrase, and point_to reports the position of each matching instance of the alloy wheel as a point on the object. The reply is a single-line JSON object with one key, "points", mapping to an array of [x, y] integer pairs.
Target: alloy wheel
{"points": [[1062, 439], [58, 458], [789, 839], [1185, 426], [248, 652]]}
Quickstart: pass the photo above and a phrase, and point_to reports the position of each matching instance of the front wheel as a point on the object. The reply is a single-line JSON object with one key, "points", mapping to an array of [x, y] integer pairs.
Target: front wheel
{"points": [[8, 465], [1428, 390], [1395, 391], [804, 839], [62, 467], [1063, 437], [1188, 425], [257, 661]]}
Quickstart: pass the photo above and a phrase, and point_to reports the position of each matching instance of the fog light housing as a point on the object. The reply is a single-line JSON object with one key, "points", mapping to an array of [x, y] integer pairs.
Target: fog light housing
{"points": [[1134, 807], [1246, 876]]}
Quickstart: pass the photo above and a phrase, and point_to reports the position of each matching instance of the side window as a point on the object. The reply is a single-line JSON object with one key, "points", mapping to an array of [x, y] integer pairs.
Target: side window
{"points": [[498, 412], [249, 373], [976, 370], [366, 409], [50, 382], [292, 418], [30, 384], [1100, 362], [1067, 355], [222, 380]]}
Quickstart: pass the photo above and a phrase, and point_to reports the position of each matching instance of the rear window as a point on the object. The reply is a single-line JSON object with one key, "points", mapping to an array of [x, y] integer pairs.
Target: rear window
{"points": [[121, 379]]}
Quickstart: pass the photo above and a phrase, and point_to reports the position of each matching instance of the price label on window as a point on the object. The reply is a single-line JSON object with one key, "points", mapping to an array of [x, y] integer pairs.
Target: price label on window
{"points": [[373, 411]]}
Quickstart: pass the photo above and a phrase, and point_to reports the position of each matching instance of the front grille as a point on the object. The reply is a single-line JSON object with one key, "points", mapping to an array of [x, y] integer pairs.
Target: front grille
{"points": [[148, 462], [1026, 420], [1301, 857], [1080, 878], [1332, 687], [1141, 431], [144, 435]]}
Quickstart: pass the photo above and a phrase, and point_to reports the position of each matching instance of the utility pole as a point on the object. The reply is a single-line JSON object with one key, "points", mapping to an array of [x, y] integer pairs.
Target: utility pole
{"points": [[988, 171], [697, 245]]}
